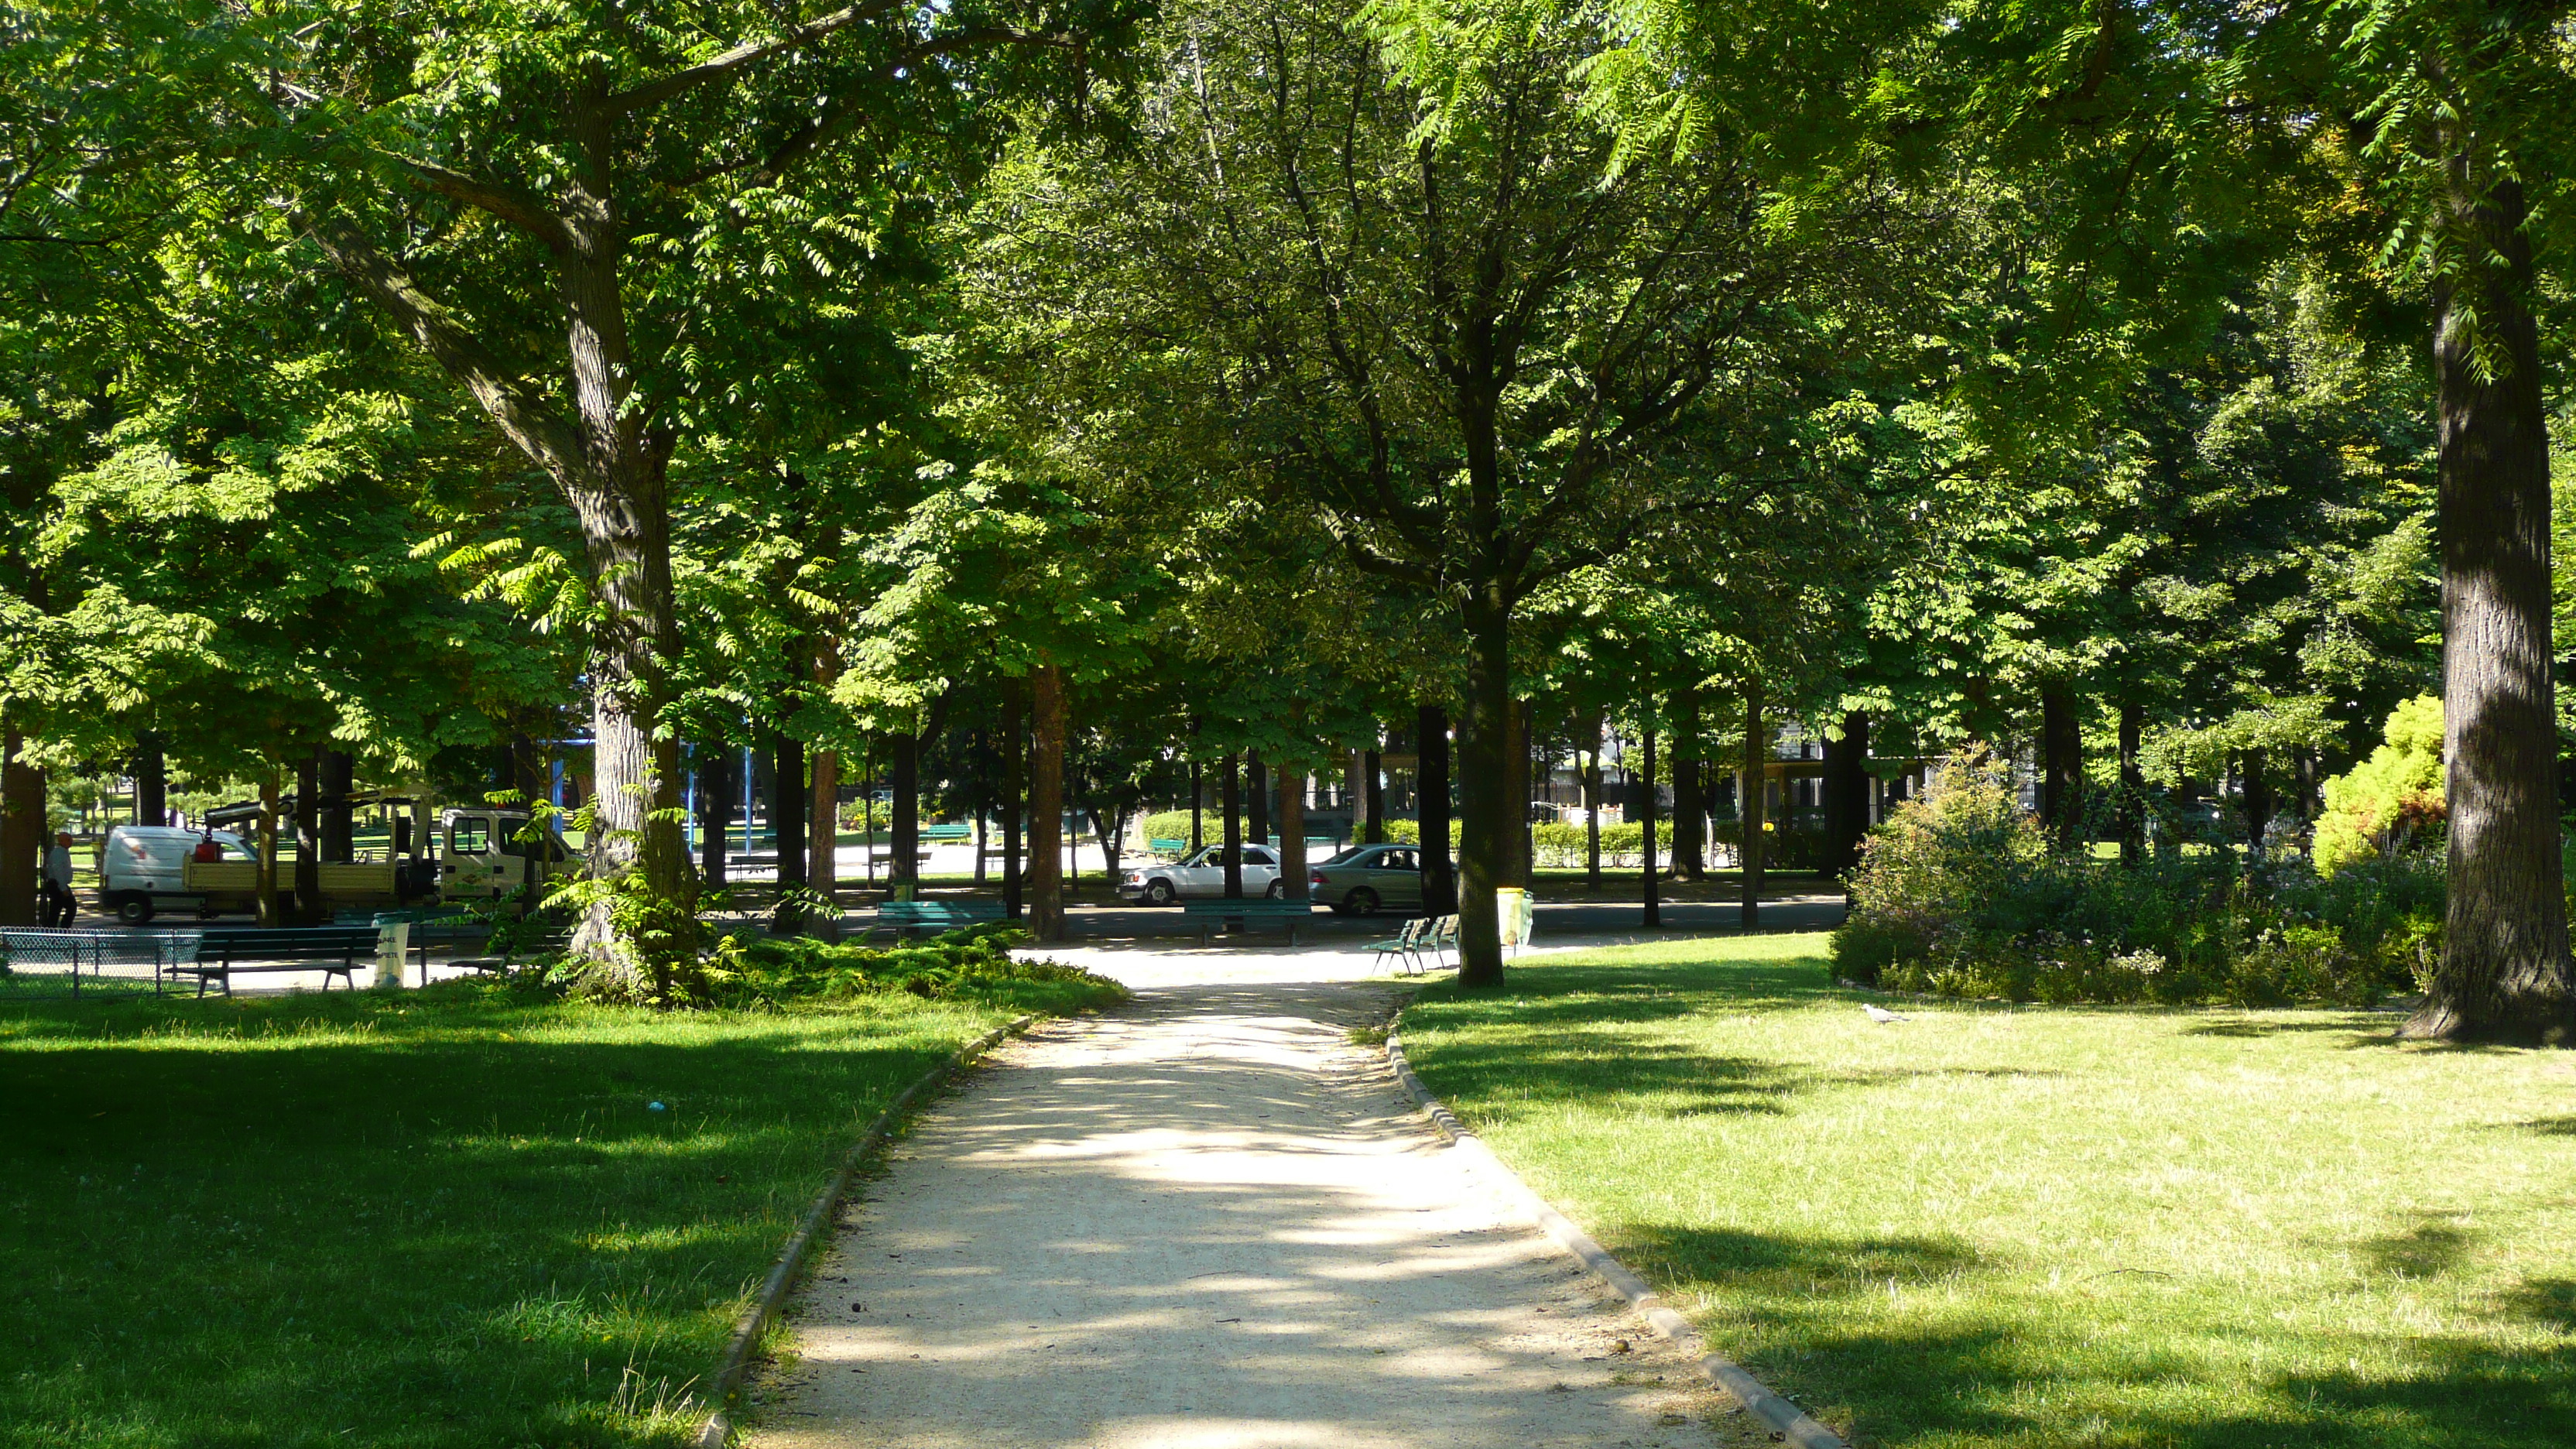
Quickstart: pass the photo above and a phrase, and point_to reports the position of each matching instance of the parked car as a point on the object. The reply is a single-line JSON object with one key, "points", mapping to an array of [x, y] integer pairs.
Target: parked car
{"points": [[144, 869], [1359, 881], [1202, 873]]}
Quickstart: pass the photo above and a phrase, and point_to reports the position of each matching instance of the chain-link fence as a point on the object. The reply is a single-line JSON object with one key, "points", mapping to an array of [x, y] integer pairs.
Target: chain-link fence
{"points": [[75, 963]]}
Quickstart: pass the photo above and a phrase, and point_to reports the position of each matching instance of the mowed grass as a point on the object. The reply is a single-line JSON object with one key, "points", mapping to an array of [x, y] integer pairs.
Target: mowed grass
{"points": [[447, 1217], [2044, 1226]]}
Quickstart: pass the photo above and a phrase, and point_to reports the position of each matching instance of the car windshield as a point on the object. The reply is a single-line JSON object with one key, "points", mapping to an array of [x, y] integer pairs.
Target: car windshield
{"points": [[1344, 855], [1206, 855]]}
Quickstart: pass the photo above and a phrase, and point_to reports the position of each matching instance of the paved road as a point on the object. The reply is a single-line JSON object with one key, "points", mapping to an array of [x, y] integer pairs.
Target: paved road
{"points": [[1209, 1221]]}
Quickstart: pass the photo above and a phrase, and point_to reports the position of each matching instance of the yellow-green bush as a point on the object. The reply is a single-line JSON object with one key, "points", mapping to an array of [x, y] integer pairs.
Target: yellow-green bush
{"points": [[2390, 799]]}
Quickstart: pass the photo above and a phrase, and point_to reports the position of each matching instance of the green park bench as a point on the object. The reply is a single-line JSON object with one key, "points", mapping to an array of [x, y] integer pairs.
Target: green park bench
{"points": [[1214, 912], [222, 955], [947, 834], [1166, 847], [526, 952], [905, 917]]}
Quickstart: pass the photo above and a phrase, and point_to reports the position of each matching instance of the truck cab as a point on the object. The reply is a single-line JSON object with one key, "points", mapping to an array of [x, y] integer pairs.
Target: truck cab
{"points": [[491, 855]]}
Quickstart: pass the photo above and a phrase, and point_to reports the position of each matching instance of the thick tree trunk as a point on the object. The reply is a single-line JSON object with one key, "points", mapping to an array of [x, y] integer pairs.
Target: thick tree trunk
{"points": [[823, 841], [1256, 784], [715, 810], [151, 781], [1487, 821], [1046, 804], [22, 831], [1292, 833], [1373, 797], [2061, 746], [2504, 974], [2133, 784], [1753, 810], [1648, 872], [1013, 883], [1198, 807], [272, 912], [787, 826], [1230, 825], [308, 840], [1846, 794], [1431, 809], [339, 782], [906, 826]]}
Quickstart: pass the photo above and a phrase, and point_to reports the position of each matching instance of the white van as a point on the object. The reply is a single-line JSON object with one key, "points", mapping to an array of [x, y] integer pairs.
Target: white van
{"points": [[144, 868]]}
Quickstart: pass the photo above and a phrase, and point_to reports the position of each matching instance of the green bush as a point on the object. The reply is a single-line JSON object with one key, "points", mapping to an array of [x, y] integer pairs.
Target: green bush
{"points": [[1957, 894], [967, 962], [2391, 799]]}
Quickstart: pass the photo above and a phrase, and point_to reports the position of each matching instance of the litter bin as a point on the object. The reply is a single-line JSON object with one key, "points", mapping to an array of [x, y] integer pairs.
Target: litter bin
{"points": [[393, 942], [1512, 915]]}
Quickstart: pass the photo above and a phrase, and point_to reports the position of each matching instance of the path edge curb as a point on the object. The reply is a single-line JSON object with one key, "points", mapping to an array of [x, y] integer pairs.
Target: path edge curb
{"points": [[1783, 1416], [744, 1346]]}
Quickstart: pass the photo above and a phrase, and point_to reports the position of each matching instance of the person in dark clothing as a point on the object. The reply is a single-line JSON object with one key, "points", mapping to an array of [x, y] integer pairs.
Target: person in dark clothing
{"points": [[59, 904]]}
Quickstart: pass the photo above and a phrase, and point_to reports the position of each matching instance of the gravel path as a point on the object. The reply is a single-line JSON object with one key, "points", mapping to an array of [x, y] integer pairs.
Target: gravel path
{"points": [[1209, 1220]]}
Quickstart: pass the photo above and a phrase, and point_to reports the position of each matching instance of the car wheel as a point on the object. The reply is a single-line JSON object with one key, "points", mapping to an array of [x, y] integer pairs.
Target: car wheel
{"points": [[134, 910], [1158, 893], [1361, 902], [1278, 891]]}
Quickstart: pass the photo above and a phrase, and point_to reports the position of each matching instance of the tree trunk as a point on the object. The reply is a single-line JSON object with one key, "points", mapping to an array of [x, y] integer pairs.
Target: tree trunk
{"points": [[1230, 826], [1046, 804], [1012, 882], [1256, 784], [1648, 871], [22, 831], [1516, 800], [2133, 784], [2257, 798], [1485, 779], [1592, 801], [823, 841], [1752, 811], [1846, 794], [1373, 796], [2061, 745], [1198, 808], [1431, 809], [308, 839], [1690, 813], [2504, 974], [905, 874], [272, 912], [1292, 833], [787, 826], [715, 810], [339, 782], [151, 781]]}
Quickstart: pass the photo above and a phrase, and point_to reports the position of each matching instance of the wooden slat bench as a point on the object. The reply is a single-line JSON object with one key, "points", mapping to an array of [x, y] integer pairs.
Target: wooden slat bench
{"points": [[221, 955], [545, 943], [1210, 913], [905, 917], [947, 834]]}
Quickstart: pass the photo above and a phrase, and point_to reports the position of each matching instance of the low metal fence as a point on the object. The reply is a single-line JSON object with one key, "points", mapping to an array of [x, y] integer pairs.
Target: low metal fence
{"points": [[71, 961]]}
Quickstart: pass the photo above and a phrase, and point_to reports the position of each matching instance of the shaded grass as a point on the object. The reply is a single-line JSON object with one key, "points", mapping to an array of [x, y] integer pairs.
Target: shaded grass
{"points": [[2040, 1226], [448, 1217]]}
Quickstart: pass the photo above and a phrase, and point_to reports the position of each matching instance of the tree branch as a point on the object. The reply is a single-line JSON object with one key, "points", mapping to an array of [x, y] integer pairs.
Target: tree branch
{"points": [[520, 411], [519, 208], [751, 52]]}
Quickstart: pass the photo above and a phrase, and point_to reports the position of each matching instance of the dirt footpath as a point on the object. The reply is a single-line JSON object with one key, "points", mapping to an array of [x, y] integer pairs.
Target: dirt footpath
{"points": [[1210, 1221]]}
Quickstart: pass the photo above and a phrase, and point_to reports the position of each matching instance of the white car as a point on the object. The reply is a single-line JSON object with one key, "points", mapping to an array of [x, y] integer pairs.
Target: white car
{"points": [[1202, 873], [144, 869]]}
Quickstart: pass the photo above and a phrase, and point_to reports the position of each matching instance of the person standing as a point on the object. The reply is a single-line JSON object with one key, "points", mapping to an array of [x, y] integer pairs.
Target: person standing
{"points": [[60, 905]]}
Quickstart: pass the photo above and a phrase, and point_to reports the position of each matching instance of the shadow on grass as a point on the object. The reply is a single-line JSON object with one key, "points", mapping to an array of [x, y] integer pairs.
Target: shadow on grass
{"points": [[402, 1216], [1818, 1321], [2550, 1126]]}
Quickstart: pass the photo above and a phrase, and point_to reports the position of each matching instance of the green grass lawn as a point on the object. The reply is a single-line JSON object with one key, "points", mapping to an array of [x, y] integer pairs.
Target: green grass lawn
{"points": [[448, 1217], [1995, 1226]]}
